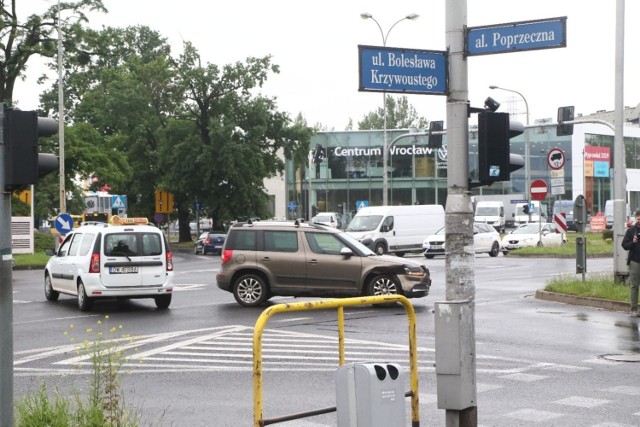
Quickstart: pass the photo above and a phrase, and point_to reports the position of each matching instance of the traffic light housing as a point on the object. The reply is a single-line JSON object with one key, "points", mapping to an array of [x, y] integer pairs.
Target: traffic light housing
{"points": [[435, 139], [565, 114], [526, 209], [495, 161], [319, 154], [23, 165]]}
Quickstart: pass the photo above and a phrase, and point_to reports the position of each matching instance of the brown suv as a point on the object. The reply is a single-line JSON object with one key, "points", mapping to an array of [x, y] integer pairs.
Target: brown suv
{"points": [[264, 259]]}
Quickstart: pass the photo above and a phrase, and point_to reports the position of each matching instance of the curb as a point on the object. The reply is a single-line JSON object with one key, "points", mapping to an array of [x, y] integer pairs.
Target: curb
{"points": [[583, 301]]}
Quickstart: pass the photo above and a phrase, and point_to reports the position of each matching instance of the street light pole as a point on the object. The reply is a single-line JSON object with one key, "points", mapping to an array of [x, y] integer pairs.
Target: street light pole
{"points": [[527, 147], [385, 148]]}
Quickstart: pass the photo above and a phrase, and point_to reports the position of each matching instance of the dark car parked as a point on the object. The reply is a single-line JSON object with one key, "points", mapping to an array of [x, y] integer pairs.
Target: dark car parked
{"points": [[209, 242]]}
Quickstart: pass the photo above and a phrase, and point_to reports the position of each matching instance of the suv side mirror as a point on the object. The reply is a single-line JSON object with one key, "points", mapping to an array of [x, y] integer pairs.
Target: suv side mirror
{"points": [[346, 252], [384, 228]]}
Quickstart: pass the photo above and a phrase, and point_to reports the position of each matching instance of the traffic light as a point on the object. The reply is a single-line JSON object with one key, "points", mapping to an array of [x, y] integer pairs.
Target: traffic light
{"points": [[435, 139], [23, 165], [565, 114], [319, 154], [495, 161], [526, 209]]}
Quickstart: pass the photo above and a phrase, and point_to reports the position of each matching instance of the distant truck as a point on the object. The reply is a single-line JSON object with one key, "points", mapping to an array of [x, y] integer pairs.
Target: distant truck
{"points": [[509, 202], [492, 213], [396, 229]]}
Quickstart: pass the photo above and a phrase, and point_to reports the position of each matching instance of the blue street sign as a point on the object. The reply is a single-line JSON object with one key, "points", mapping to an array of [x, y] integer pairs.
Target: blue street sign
{"points": [[517, 36], [361, 204], [64, 223], [118, 202], [601, 169], [388, 69], [293, 206]]}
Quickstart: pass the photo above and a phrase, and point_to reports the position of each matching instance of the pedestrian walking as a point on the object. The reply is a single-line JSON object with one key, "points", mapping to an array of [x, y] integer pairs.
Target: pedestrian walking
{"points": [[631, 242]]}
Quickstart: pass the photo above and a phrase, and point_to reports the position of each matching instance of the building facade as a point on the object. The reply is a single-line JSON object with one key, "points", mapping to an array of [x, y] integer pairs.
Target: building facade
{"points": [[351, 175]]}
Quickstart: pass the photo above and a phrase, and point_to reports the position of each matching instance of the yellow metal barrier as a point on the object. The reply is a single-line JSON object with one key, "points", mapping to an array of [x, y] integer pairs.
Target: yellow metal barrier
{"points": [[339, 304]]}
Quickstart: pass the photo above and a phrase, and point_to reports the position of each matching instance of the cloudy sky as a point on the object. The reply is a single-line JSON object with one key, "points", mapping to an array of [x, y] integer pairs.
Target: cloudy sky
{"points": [[316, 46]]}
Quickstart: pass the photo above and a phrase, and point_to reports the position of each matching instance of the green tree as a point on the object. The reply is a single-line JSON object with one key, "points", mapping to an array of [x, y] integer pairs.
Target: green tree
{"points": [[233, 139], [400, 115], [36, 35]]}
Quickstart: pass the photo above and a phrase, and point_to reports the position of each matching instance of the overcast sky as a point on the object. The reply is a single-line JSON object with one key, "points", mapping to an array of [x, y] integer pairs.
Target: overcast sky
{"points": [[316, 46]]}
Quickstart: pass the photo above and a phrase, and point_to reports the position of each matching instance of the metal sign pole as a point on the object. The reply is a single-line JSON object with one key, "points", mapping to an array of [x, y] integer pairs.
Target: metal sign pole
{"points": [[6, 291]]}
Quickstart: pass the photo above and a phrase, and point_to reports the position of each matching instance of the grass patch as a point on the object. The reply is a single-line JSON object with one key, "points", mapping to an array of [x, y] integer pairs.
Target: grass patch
{"points": [[596, 285], [596, 245]]}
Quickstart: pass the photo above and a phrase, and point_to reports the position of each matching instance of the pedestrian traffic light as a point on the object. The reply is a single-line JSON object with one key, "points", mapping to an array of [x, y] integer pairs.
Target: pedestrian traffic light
{"points": [[565, 114], [23, 165], [319, 154], [435, 135], [495, 162]]}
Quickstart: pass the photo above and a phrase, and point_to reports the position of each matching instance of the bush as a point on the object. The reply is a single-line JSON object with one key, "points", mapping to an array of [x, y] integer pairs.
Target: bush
{"points": [[607, 234], [43, 241]]}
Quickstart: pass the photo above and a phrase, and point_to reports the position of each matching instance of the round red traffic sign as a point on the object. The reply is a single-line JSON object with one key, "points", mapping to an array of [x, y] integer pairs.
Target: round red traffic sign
{"points": [[556, 158], [539, 189]]}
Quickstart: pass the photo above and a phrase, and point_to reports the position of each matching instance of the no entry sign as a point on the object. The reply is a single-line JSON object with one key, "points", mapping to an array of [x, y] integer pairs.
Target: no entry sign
{"points": [[538, 189]]}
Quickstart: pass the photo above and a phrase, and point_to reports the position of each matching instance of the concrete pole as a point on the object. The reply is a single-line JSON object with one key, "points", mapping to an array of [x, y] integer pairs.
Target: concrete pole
{"points": [[459, 262], [620, 269], [6, 292]]}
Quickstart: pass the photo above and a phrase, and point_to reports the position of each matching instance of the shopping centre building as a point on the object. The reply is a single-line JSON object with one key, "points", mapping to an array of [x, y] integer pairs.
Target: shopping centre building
{"points": [[351, 174]]}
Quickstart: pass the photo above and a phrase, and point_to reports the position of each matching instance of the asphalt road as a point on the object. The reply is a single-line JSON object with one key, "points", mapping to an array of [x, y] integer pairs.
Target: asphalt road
{"points": [[537, 362]]}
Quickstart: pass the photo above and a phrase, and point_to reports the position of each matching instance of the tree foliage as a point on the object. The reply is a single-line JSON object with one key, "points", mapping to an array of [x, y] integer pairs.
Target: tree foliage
{"points": [[139, 119], [400, 115]]}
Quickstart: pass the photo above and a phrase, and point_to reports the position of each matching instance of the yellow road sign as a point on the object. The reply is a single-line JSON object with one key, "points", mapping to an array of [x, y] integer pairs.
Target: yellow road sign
{"points": [[164, 202]]}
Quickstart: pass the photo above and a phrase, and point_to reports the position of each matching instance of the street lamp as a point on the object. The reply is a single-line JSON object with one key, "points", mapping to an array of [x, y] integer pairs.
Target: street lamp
{"points": [[527, 148], [385, 148]]}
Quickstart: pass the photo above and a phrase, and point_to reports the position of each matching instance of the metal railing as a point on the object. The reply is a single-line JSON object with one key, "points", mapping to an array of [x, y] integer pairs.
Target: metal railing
{"points": [[339, 304]]}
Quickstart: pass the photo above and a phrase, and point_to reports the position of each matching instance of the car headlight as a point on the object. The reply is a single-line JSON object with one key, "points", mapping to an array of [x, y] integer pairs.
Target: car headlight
{"points": [[413, 270], [366, 236]]}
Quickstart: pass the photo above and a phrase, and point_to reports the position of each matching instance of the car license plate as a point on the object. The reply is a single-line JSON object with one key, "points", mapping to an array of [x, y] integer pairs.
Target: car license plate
{"points": [[512, 246], [217, 247], [123, 269], [436, 246]]}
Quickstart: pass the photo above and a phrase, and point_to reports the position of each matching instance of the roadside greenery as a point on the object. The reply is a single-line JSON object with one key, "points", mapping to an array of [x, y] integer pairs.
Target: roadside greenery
{"points": [[597, 244], [102, 404], [597, 285]]}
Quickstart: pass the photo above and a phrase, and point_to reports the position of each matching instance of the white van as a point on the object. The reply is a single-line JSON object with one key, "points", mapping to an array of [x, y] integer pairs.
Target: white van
{"points": [[608, 213], [396, 229], [332, 219], [491, 213]]}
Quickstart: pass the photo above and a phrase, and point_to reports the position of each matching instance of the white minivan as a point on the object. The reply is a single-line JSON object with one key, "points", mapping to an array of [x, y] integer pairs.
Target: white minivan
{"points": [[396, 229], [128, 258]]}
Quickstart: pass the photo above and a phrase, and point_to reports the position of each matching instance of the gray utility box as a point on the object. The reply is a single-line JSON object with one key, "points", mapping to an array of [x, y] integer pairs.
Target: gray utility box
{"points": [[370, 395], [455, 355]]}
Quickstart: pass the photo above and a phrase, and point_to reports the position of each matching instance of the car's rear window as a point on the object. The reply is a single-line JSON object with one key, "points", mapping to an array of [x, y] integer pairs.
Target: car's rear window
{"points": [[242, 240], [132, 244], [281, 241]]}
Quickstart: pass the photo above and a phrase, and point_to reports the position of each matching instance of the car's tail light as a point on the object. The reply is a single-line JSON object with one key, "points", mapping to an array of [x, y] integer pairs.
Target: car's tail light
{"points": [[207, 241], [227, 254], [94, 264], [169, 261]]}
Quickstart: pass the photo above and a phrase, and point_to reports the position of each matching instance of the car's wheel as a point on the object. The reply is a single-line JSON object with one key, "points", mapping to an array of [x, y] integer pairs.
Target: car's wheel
{"points": [[429, 256], [49, 293], [495, 249], [163, 301], [539, 244], [84, 303], [505, 253], [195, 250], [400, 254], [383, 284], [250, 290], [381, 248]]}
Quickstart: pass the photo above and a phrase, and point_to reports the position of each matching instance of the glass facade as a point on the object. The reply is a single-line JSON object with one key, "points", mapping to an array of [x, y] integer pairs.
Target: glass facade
{"points": [[351, 174]]}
